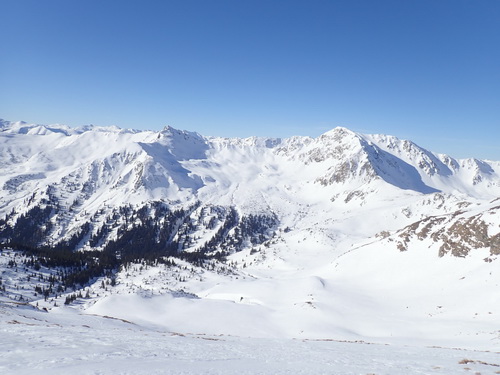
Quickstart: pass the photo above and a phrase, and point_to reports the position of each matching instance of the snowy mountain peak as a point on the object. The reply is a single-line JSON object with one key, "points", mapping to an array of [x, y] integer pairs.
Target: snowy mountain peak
{"points": [[169, 131], [182, 144], [339, 132]]}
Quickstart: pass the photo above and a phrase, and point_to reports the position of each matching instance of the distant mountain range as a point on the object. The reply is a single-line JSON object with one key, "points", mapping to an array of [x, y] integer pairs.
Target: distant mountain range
{"points": [[91, 187]]}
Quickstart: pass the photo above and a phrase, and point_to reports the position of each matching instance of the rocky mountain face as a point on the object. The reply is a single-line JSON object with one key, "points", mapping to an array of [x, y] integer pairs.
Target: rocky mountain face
{"points": [[145, 193], [457, 233]]}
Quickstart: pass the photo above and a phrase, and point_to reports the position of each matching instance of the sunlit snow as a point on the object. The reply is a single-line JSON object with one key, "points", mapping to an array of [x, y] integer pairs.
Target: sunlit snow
{"points": [[356, 277]]}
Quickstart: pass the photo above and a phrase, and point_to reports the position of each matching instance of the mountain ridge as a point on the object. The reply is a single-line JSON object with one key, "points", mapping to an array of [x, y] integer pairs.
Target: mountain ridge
{"points": [[90, 173]]}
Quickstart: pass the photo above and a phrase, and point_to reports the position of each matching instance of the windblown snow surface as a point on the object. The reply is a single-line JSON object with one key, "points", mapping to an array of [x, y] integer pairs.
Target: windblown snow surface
{"points": [[383, 258]]}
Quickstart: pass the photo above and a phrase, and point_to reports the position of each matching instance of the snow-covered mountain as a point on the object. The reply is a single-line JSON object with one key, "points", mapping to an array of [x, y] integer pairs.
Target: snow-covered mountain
{"points": [[346, 236], [91, 183]]}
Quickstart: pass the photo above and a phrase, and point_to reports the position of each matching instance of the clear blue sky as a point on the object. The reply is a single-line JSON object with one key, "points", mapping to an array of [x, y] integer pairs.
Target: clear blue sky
{"points": [[426, 70]]}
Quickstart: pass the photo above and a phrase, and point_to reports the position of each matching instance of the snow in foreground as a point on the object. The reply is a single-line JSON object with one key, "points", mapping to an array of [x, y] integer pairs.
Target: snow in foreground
{"points": [[64, 341], [370, 311]]}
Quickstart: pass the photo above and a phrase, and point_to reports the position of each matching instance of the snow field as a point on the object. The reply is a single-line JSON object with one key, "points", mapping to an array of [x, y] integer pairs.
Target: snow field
{"points": [[65, 342]]}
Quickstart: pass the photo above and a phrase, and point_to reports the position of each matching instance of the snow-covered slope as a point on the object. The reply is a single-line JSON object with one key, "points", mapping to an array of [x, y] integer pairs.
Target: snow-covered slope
{"points": [[345, 236], [63, 342]]}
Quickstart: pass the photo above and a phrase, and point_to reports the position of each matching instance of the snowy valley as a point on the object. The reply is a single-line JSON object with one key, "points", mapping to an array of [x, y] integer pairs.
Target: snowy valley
{"points": [[141, 252]]}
